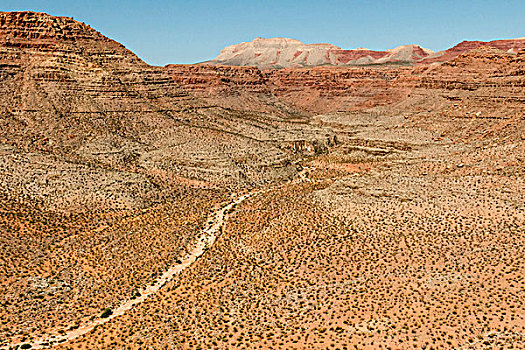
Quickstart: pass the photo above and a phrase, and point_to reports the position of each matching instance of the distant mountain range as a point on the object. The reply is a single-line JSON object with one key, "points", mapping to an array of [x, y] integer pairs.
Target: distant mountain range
{"points": [[289, 53]]}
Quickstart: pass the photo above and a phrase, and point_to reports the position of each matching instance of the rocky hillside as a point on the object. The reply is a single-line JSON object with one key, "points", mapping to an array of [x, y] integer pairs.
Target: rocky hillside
{"points": [[510, 46], [69, 91], [290, 53], [482, 90]]}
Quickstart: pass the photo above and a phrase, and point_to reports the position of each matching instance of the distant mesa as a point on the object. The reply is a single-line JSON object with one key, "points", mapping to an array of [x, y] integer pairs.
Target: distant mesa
{"points": [[292, 53]]}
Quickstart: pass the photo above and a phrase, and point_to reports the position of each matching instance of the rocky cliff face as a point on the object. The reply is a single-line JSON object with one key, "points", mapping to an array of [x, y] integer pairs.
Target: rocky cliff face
{"points": [[337, 89], [311, 90], [510, 46], [217, 79], [286, 53], [479, 94], [289, 53]]}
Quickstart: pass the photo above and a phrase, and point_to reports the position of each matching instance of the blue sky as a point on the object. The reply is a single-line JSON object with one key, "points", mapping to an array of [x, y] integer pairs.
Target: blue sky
{"points": [[162, 31]]}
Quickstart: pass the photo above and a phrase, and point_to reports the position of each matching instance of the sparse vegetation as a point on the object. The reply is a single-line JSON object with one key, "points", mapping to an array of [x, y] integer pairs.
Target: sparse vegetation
{"points": [[396, 223]]}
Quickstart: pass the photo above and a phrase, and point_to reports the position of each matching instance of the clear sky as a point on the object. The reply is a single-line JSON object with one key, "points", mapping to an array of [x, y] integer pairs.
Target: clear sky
{"points": [[162, 31]]}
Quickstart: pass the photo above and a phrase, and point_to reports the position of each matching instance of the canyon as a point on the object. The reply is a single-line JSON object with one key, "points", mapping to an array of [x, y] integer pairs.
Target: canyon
{"points": [[351, 198]]}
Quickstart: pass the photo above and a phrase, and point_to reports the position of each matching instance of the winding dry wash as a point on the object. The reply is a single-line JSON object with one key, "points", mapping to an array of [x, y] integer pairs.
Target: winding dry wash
{"points": [[208, 236]]}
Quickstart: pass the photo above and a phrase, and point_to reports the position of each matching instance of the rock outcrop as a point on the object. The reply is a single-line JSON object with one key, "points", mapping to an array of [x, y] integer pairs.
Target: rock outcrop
{"points": [[510, 46], [482, 91], [290, 53], [287, 53], [310, 90], [63, 82]]}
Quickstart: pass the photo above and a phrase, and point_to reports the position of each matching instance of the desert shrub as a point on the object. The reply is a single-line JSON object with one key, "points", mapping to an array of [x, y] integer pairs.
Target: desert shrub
{"points": [[106, 313]]}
